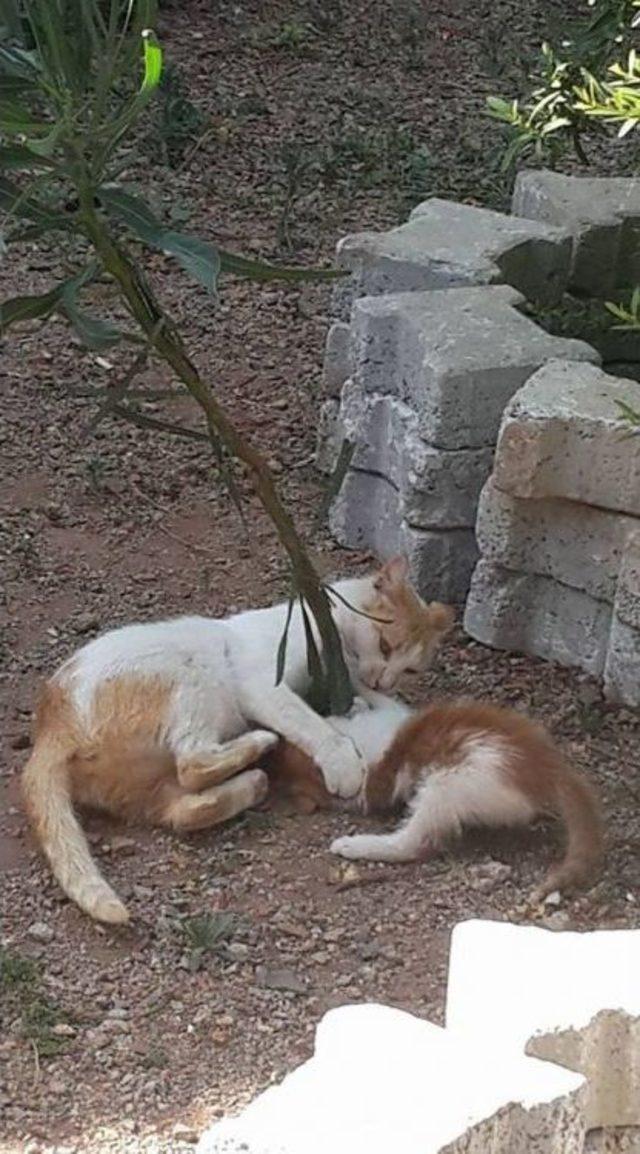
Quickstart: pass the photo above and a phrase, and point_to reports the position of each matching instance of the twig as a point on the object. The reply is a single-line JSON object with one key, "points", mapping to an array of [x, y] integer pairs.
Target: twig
{"points": [[366, 880], [146, 422], [169, 532]]}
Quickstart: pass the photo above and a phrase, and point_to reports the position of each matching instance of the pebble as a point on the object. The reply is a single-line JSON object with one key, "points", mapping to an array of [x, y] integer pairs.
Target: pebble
{"points": [[553, 899], [63, 1030], [560, 920], [487, 875], [183, 1133], [40, 932], [237, 951], [280, 978]]}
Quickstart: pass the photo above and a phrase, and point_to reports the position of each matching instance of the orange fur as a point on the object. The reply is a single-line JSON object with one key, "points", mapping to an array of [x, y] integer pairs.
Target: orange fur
{"points": [[120, 765], [294, 775], [532, 763]]}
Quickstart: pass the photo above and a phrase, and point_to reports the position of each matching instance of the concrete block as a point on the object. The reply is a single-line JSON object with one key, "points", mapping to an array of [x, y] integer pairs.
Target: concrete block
{"points": [[446, 245], [622, 669], [577, 545], [381, 1080], [563, 436], [438, 488], [570, 998], [601, 213], [455, 357], [329, 436], [367, 514], [537, 615], [336, 358]]}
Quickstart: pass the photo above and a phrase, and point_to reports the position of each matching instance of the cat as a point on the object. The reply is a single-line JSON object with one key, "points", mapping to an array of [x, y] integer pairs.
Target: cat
{"points": [[455, 764], [153, 722]]}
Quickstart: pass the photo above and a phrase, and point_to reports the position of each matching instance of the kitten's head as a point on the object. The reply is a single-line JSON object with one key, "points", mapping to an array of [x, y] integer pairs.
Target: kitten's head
{"points": [[400, 633]]}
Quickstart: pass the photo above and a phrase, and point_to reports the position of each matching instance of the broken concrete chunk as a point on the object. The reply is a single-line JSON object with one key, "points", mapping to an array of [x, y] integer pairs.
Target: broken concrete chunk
{"points": [[446, 245], [455, 357], [532, 614], [367, 514], [575, 544], [336, 357], [603, 216], [563, 435], [438, 488], [622, 669]]}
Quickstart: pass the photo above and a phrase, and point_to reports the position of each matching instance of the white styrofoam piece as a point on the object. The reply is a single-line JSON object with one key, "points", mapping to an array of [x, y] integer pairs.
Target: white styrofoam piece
{"points": [[382, 1080]]}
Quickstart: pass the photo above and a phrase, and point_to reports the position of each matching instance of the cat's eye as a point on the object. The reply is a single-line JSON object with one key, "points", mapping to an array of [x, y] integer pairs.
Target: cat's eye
{"points": [[385, 648]]}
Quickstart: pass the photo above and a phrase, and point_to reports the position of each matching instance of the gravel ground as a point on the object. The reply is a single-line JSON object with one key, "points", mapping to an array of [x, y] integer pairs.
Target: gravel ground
{"points": [[133, 1040]]}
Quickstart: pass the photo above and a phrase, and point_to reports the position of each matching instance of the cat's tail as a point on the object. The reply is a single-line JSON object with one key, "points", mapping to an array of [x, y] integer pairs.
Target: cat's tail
{"points": [[45, 785], [579, 811]]}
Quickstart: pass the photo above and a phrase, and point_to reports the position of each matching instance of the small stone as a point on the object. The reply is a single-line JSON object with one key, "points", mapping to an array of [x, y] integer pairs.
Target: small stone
{"points": [[560, 920], [237, 951], [63, 1030], [120, 844], [40, 932], [86, 623], [487, 875], [553, 899], [183, 1133], [58, 1087], [21, 741], [280, 978]]}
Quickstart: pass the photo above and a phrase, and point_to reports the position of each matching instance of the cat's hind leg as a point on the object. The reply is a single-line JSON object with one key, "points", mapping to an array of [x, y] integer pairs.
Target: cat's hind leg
{"points": [[187, 812], [211, 766]]}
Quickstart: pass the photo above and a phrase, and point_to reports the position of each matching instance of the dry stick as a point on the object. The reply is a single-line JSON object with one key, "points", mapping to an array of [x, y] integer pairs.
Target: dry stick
{"points": [[191, 545], [168, 344]]}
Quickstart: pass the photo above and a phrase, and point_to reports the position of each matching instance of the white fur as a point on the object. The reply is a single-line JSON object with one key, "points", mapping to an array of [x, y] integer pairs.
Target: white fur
{"points": [[223, 675], [476, 792]]}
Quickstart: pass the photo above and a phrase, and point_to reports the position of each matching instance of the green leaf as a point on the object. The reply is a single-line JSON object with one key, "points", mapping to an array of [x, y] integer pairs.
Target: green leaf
{"points": [[282, 647], [19, 64], [133, 212], [197, 257], [93, 332], [260, 270], [629, 414], [152, 62], [15, 202], [19, 156], [28, 308]]}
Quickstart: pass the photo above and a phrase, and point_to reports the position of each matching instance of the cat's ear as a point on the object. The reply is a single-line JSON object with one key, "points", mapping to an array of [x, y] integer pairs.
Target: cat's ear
{"points": [[440, 618], [393, 574]]}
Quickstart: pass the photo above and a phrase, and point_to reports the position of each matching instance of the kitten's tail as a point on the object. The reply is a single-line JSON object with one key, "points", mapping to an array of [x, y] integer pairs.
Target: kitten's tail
{"points": [[579, 811], [45, 785]]}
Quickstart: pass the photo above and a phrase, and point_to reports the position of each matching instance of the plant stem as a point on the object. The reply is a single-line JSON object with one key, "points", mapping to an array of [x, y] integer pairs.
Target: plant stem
{"points": [[162, 334]]}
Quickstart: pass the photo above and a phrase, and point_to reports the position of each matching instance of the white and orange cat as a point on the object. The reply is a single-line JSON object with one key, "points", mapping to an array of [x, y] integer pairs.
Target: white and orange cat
{"points": [[154, 722], [453, 765]]}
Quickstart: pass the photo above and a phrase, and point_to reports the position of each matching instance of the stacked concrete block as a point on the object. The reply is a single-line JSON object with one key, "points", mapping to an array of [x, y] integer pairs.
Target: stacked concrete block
{"points": [[431, 374], [446, 245], [558, 528], [602, 214]]}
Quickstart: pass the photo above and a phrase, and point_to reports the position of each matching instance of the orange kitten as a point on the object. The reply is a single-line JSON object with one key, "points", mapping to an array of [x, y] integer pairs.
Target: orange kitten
{"points": [[471, 763]]}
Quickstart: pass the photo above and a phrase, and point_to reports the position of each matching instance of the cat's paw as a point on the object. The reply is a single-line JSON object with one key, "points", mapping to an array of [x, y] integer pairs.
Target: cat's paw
{"points": [[360, 705], [262, 740], [350, 847], [342, 767]]}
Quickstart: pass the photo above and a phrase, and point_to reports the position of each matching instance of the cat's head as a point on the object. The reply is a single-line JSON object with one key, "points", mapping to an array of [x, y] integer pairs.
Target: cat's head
{"points": [[400, 633]]}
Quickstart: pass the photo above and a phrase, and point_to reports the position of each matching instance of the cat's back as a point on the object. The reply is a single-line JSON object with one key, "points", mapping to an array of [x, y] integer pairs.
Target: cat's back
{"points": [[166, 649]]}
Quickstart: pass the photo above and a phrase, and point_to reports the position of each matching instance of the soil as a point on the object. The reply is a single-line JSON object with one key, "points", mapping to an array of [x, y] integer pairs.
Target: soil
{"points": [[156, 1035]]}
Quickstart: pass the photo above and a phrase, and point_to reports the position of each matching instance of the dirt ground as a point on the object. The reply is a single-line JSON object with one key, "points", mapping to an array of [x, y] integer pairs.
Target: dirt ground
{"points": [[133, 1040]]}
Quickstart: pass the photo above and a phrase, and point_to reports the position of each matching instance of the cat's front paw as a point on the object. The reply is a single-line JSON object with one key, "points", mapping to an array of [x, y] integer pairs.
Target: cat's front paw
{"points": [[360, 705], [350, 847], [263, 740], [342, 767]]}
